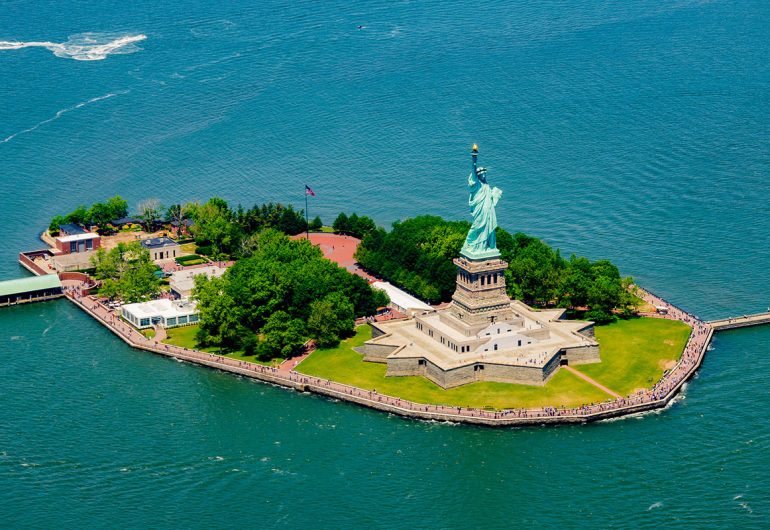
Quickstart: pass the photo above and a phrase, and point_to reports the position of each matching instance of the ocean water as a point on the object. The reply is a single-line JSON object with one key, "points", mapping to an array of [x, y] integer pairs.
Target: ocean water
{"points": [[631, 131]]}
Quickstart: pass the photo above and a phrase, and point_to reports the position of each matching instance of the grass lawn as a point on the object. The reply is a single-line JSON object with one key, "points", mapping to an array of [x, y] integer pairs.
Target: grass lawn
{"points": [[635, 352], [189, 247], [184, 336], [344, 365], [192, 259]]}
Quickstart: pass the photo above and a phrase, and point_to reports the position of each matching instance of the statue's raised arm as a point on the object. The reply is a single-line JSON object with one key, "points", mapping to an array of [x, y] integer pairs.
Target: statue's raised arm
{"points": [[481, 242]]}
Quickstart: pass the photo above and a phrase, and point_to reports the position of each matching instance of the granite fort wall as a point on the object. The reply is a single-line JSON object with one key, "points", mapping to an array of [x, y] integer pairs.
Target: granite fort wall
{"points": [[582, 355], [453, 377], [376, 353]]}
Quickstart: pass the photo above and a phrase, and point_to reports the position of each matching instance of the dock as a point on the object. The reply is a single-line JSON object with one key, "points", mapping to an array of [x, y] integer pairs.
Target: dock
{"points": [[756, 319], [28, 290]]}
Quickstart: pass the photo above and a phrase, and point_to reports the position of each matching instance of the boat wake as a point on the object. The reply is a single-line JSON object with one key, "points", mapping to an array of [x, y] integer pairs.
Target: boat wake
{"points": [[62, 112], [84, 46]]}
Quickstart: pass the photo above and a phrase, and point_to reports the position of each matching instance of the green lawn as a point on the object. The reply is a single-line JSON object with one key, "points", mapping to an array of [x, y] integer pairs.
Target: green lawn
{"points": [[635, 352], [184, 336], [346, 366]]}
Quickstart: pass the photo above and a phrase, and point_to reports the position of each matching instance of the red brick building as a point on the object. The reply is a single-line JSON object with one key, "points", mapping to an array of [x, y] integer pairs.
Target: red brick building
{"points": [[75, 243]]}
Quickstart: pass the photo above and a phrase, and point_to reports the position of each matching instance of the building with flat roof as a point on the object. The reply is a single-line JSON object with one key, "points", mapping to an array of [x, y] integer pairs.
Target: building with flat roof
{"points": [[32, 289], [162, 248], [163, 312], [78, 243], [70, 229], [482, 336], [182, 282], [401, 300]]}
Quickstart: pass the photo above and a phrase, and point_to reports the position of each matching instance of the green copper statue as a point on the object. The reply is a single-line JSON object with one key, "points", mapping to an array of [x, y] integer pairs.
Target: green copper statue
{"points": [[481, 242]]}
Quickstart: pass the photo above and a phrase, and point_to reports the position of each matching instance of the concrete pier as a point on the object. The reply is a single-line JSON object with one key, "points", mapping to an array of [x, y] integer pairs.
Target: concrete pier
{"points": [[756, 319]]}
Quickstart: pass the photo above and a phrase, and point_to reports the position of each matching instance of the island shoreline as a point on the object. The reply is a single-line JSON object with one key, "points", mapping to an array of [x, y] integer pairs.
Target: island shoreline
{"points": [[628, 406]]}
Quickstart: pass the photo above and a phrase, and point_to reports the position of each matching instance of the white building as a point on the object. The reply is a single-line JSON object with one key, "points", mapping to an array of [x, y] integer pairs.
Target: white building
{"points": [[163, 312], [182, 282], [401, 300], [162, 248]]}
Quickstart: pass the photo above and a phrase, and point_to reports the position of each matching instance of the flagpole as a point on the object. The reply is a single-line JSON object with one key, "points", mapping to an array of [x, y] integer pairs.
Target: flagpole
{"points": [[307, 223]]}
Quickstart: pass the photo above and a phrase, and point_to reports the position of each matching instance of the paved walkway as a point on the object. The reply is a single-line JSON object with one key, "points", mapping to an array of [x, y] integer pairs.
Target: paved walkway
{"points": [[339, 249], [289, 364], [160, 333], [598, 385]]}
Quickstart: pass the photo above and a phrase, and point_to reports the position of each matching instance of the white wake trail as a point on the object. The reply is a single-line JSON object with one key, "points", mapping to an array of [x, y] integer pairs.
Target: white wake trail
{"points": [[83, 46], [62, 112]]}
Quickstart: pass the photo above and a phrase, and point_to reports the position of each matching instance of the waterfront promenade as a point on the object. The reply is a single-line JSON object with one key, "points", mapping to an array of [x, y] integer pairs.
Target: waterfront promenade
{"points": [[657, 397]]}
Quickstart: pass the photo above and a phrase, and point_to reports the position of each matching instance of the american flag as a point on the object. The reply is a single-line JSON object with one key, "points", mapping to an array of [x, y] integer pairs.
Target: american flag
{"points": [[309, 191]]}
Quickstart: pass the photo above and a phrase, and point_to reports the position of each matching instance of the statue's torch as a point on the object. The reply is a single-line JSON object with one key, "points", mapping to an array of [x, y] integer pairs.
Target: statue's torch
{"points": [[474, 156]]}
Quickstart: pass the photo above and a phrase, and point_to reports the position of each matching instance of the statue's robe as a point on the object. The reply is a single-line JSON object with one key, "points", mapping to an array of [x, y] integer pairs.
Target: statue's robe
{"points": [[482, 201]]}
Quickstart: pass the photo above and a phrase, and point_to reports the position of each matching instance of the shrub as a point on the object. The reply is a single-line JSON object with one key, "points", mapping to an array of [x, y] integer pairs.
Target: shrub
{"points": [[205, 250]]}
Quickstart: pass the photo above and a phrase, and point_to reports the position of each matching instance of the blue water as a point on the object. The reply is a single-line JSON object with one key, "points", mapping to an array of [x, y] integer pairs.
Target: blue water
{"points": [[632, 131]]}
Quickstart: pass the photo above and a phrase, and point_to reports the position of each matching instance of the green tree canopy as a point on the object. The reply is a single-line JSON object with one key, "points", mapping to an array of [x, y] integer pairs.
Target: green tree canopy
{"points": [[282, 276], [330, 318], [127, 273], [214, 225], [417, 255]]}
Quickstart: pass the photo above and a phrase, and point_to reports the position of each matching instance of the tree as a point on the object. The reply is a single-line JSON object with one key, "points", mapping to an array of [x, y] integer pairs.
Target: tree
{"points": [[127, 272], [219, 322], [178, 214], [53, 227], [331, 318], [283, 335], [575, 282], [100, 214], [117, 206], [355, 225], [629, 298], [316, 224], [341, 223], [214, 224], [78, 216], [150, 211], [416, 255]]}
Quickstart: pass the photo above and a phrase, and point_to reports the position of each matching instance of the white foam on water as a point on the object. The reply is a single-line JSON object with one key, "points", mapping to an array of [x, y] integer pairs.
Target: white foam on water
{"points": [[84, 46], [62, 112], [655, 505]]}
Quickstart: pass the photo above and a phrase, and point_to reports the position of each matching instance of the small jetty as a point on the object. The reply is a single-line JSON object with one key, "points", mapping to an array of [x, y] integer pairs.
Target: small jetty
{"points": [[756, 319]]}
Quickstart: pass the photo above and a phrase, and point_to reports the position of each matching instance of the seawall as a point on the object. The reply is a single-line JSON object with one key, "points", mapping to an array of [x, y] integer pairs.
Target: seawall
{"points": [[660, 396]]}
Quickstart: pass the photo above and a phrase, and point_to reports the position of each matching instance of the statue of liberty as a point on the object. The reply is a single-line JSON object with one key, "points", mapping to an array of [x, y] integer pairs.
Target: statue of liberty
{"points": [[481, 242]]}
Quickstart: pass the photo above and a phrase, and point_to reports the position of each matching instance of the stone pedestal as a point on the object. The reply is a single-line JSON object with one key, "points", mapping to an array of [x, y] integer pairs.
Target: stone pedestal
{"points": [[480, 296]]}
